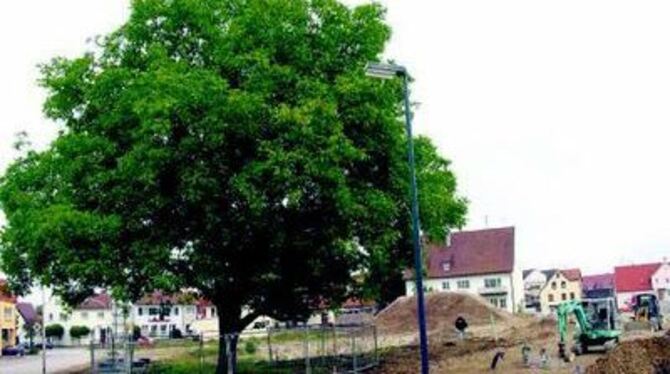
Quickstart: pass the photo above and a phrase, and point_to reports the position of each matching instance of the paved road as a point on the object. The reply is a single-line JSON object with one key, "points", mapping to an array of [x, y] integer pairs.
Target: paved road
{"points": [[58, 361]]}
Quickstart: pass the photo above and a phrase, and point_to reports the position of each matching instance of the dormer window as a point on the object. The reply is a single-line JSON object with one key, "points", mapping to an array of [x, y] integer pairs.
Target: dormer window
{"points": [[446, 266]]}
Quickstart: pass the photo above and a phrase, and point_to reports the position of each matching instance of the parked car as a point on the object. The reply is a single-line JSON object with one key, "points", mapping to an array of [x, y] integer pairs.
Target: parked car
{"points": [[17, 350], [144, 341]]}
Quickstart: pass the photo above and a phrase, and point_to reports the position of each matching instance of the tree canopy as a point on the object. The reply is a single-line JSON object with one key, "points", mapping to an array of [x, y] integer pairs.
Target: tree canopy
{"points": [[231, 146]]}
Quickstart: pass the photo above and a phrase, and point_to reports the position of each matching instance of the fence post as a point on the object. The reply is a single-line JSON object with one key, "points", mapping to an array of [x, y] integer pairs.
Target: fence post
{"points": [[374, 336], [353, 352], [201, 352], [270, 345], [90, 344], [308, 367]]}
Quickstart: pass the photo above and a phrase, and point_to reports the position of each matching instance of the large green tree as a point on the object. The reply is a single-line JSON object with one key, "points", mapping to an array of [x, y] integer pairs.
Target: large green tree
{"points": [[232, 146]]}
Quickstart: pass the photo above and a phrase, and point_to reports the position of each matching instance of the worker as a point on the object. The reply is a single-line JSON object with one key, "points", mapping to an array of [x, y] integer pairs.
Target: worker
{"points": [[525, 354], [461, 325], [499, 356]]}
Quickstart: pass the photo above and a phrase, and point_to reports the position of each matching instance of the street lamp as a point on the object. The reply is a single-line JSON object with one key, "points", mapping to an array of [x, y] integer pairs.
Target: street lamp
{"points": [[389, 71]]}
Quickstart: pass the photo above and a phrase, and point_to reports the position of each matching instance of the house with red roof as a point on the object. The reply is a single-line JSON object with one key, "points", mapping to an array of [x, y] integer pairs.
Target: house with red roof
{"points": [[545, 289], [632, 280], [480, 262], [95, 312]]}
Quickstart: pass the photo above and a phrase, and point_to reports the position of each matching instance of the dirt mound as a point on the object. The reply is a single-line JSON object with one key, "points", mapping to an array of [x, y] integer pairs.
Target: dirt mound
{"points": [[641, 356], [442, 309]]}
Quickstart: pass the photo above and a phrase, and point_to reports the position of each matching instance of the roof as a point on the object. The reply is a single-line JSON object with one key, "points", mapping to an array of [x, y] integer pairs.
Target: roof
{"points": [[549, 273], [634, 278], [27, 312], [158, 298], [99, 301], [473, 252], [5, 293], [572, 274], [598, 282]]}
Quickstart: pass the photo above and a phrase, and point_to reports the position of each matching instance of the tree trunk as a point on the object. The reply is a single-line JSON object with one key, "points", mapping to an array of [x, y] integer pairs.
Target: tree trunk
{"points": [[229, 322]]}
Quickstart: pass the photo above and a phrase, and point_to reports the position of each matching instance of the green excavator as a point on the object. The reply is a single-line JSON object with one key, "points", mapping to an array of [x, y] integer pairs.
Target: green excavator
{"points": [[596, 322]]}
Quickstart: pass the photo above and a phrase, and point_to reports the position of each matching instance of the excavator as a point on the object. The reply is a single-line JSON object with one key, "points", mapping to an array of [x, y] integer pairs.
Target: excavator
{"points": [[646, 307], [596, 321]]}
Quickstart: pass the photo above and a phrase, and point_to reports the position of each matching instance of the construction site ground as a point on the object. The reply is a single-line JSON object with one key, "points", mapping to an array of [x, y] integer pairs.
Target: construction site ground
{"points": [[491, 331]]}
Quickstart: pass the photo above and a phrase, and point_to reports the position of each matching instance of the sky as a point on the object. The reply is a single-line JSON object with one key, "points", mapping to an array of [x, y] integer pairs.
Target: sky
{"points": [[554, 114]]}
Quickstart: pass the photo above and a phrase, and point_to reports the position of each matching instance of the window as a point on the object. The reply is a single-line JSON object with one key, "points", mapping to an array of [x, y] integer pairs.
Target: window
{"points": [[551, 297], [190, 309], [8, 313], [140, 311], [494, 301], [572, 295], [463, 284], [553, 285], [84, 315], [445, 285], [213, 312], [563, 284], [492, 283], [446, 266], [51, 316], [101, 315], [502, 303], [145, 327], [163, 329], [63, 317], [176, 311], [564, 296], [153, 311]]}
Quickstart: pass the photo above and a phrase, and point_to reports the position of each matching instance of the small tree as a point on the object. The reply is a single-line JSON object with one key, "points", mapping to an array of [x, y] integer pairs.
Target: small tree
{"points": [[78, 332], [55, 331], [137, 332]]}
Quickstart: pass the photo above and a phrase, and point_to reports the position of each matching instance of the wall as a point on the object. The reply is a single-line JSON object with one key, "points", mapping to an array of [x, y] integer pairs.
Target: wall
{"points": [[661, 279], [180, 317], [558, 289], [99, 321], [8, 328], [476, 286]]}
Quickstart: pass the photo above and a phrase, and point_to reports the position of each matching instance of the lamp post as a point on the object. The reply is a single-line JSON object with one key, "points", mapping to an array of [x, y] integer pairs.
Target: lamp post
{"points": [[389, 71]]}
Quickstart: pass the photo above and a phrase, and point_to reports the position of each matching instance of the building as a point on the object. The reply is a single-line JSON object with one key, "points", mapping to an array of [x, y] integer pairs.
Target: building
{"points": [[8, 317], [660, 281], [533, 282], [162, 315], [28, 320], [561, 285], [480, 262], [96, 313], [631, 280], [598, 286]]}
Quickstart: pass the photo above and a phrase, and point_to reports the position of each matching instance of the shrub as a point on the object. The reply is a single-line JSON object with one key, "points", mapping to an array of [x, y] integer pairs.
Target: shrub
{"points": [[54, 331], [250, 347], [77, 332]]}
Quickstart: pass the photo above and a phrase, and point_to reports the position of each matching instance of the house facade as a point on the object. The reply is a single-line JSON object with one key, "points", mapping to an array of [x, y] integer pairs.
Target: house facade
{"points": [[480, 262], [533, 282], [598, 286], [159, 315], [96, 313], [660, 281], [561, 285], [632, 280], [8, 317]]}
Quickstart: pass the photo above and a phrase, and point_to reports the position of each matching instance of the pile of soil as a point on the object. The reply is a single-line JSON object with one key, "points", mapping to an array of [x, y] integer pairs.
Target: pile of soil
{"points": [[640, 356], [442, 309]]}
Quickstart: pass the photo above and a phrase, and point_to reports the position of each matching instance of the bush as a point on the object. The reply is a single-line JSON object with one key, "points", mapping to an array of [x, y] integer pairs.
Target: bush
{"points": [[77, 332], [137, 332], [250, 347], [54, 331], [176, 334]]}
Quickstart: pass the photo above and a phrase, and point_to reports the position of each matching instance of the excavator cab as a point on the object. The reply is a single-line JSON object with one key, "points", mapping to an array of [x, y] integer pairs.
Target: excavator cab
{"points": [[596, 325]]}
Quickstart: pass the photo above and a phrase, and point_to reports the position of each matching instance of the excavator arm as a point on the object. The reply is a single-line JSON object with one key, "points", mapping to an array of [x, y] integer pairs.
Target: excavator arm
{"points": [[563, 312]]}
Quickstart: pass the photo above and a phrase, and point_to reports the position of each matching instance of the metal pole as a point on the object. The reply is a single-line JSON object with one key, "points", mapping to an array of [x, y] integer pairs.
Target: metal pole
{"points": [[421, 310], [44, 331]]}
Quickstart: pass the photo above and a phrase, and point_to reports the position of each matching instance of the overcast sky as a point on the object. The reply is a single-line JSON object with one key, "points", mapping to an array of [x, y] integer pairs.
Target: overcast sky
{"points": [[555, 114]]}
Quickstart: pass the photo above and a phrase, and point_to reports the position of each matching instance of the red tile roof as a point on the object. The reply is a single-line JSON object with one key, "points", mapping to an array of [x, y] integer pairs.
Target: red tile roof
{"points": [[473, 252], [598, 282], [159, 297], [99, 301], [633, 278], [572, 274]]}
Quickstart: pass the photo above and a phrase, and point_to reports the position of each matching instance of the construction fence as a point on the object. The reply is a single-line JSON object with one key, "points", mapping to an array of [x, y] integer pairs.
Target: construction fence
{"points": [[302, 349]]}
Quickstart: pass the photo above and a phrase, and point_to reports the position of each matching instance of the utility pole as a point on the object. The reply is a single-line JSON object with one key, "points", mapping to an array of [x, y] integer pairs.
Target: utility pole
{"points": [[44, 331]]}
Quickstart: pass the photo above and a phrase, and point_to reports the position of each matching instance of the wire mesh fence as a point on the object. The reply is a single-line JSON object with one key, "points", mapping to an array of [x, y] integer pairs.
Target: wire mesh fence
{"points": [[303, 349]]}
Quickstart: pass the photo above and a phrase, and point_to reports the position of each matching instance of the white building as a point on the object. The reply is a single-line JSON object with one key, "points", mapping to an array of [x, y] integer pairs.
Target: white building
{"points": [[660, 281], [158, 314], [481, 262], [96, 313], [533, 282]]}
